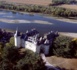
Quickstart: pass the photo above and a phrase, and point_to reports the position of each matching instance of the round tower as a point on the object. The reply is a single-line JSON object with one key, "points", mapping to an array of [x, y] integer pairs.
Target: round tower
{"points": [[22, 40], [17, 39]]}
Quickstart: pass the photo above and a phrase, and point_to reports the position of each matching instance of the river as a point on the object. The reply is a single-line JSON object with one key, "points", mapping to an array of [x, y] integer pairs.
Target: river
{"points": [[11, 20]]}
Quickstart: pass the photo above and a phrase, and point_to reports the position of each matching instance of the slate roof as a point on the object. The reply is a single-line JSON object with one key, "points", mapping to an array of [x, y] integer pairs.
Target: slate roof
{"points": [[32, 33], [52, 35], [22, 36], [18, 34], [26, 37], [46, 41]]}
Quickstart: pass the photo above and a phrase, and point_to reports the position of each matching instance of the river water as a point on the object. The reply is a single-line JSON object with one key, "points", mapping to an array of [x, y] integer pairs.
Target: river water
{"points": [[11, 20]]}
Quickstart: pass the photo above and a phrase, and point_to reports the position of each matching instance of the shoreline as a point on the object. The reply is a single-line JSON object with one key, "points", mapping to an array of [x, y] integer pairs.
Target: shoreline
{"points": [[46, 15], [65, 17], [68, 34], [74, 35]]}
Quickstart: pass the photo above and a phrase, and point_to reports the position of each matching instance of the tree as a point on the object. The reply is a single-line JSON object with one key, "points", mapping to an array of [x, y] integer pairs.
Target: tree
{"points": [[31, 61], [61, 46], [11, 42], [1, 47], [73, 47], [10, 53], [6, 65], [13, 59], [62, 1]]}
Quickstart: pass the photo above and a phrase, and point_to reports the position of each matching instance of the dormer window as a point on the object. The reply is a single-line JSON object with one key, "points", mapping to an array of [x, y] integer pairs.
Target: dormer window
{"points": [[46, 41], [40, 38]]}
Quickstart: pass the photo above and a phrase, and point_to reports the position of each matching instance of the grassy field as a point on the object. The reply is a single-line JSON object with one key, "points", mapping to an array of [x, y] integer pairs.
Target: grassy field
{"points": [[70, 64], [37, 2], [40, 2], [68, 6]]}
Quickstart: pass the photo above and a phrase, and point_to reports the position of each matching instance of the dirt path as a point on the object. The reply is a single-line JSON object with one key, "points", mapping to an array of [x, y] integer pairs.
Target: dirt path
{"points": [[70, 64], [47, 64]]}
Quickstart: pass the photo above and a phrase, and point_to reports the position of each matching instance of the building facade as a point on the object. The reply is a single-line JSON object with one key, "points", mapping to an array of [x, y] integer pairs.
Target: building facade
{"points": [[33, 41]]}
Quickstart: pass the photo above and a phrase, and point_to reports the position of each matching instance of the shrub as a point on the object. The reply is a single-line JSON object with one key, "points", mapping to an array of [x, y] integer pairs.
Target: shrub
{"points": [[74, 47], [13, 59], [10, 53], [10, 43], [61, 46], [31, 61], [62, 1]]}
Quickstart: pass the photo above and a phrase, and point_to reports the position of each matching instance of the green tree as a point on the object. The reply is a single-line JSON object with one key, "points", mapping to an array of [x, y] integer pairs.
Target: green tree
{"points": [[61, 46], [6, 65], [11, 42], [31, 61], [62, 1], [73, 47], [17, 59], [1, 47], [1, 50], [10, 53]]}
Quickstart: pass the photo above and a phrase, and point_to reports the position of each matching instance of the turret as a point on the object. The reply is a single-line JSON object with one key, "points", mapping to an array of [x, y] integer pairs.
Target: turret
{"points": [[22, 40], [17, 39]]}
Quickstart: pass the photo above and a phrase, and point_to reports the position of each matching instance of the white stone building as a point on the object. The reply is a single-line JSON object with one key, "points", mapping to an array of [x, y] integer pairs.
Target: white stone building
{"points": [[32, 41]]}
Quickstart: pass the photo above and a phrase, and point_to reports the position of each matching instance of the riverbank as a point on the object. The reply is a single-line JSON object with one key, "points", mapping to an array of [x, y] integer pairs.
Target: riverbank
{"points": [[73, 35], [68, 34], [41, 14], [49, 10]]}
